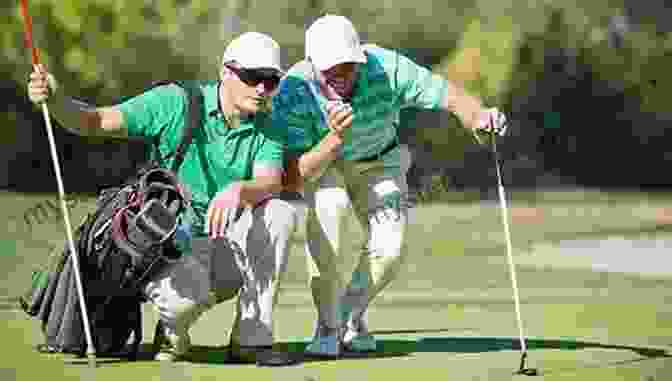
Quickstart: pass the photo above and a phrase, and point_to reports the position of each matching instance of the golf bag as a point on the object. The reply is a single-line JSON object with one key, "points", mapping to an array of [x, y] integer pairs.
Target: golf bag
{"points": [[129, 236]]}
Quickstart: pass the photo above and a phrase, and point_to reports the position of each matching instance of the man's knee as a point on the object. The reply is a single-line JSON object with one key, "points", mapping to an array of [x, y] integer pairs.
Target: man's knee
{"points": [[179, 315], [327, 217], [388, 233], [331, 198], [282, 216]]}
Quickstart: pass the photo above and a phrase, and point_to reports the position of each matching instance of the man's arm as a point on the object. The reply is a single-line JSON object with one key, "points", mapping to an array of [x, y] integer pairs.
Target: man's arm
{"points": [[266, 182], [312, 164], [267, 169], [468, 108], [86, 120], [74, 115], [307, 155], [419, 87], [471, 112], [225, 207]]}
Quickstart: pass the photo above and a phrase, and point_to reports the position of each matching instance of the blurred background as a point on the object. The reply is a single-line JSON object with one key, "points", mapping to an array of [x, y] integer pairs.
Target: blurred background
{"points": [[585, 83]]}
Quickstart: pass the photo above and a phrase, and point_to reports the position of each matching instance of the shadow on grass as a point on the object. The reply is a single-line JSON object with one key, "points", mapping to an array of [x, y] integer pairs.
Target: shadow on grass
{"points": [[220, 355], [493, 344], [390, 348]]}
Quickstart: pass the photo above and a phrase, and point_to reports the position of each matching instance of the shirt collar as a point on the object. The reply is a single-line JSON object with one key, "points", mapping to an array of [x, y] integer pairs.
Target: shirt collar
{"points": [[362, 81], [213, 106]]}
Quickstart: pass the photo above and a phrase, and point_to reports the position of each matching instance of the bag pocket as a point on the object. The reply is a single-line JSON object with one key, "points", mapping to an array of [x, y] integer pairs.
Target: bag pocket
{"points": [[31, 300]]}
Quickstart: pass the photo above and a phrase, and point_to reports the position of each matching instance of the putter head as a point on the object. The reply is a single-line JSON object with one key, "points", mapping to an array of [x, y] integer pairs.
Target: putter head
{"points": [[528, 372]]}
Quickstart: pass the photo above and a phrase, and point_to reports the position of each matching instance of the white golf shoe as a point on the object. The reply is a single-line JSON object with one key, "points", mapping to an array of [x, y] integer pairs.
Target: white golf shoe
{"points": [[356, 337], [326, 343], [168, 346]]}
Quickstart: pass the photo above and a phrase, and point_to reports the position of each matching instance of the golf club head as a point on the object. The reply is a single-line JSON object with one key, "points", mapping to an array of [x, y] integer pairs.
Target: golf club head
{"points": [[528, 372]]}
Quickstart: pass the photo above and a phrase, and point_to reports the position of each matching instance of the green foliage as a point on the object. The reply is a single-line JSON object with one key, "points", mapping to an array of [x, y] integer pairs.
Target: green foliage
{"points": [[109, 47], [103, 50]]}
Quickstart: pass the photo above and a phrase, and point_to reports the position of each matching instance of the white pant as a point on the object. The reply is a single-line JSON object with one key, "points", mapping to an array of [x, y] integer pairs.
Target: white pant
{"points": [[248, 263], [376, 192]]}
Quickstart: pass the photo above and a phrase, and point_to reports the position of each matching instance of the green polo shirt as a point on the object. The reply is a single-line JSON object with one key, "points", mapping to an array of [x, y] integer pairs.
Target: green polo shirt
{"points": [[218, 155], [387, 83]]}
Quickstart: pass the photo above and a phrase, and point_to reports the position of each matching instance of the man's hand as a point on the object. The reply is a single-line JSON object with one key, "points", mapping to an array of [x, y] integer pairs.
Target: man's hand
{"points": [[339, 116], [224, 210], [492, 121], [41, 85], [76, 116]]}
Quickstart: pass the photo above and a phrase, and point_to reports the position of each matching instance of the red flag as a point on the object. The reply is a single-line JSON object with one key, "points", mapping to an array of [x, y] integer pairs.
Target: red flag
{"points": [[29, 31]]}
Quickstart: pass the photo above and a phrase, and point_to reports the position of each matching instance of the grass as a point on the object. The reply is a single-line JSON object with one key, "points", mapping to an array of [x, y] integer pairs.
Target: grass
{"points": [[450, 315]]}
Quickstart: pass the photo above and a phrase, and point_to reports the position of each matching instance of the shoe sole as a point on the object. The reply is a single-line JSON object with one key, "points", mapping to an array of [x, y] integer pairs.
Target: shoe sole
{"points": [[323, 356], [163, 357], [349, 348]]}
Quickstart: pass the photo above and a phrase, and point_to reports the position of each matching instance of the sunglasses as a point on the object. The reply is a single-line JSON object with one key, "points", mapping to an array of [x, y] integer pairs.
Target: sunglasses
{"points": [[253, 77]]}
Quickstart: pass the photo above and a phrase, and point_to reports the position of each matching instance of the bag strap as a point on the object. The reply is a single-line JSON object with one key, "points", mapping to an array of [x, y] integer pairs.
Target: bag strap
{"points": [[194, 105]]}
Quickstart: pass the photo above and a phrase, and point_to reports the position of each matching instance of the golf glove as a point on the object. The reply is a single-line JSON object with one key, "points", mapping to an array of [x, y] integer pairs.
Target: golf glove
{"points": [[41, 85], [493, 121]]}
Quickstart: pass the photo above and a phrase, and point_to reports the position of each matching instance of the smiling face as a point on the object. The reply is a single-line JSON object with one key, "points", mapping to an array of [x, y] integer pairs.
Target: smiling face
{"points": [[341, 78], [247, 91]]}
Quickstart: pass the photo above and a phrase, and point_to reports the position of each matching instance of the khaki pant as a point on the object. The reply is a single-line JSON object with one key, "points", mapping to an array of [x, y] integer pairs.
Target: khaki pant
{"points": [[249, 263], [375, 191]]}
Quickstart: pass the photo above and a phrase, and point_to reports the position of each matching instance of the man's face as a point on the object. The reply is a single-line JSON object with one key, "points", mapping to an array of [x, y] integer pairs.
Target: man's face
{"points": [[249, 90], [341, 78]]}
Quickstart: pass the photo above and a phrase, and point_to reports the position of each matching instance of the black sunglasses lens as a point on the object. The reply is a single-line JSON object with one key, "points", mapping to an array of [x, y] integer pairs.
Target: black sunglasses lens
{"points": [[253, 77], [271, 82]]}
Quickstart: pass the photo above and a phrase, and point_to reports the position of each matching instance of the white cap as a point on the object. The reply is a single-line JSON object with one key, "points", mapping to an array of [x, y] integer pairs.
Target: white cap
{"points": [[253, 50], [332, 40]]}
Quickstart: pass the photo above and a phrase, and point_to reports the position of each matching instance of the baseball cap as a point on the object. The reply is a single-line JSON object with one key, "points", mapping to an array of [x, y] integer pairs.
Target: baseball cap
{"points": [[332, 40], [253, 50]]}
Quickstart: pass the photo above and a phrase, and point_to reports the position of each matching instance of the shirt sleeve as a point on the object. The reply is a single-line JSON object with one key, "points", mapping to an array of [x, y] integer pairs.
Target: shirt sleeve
{"points": [[418, 86], [291, 113], [146, 114], [271, 152]]}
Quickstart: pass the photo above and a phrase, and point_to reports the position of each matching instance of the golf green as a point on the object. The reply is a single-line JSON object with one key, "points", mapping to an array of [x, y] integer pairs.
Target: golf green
{"points": [[449, 315]]}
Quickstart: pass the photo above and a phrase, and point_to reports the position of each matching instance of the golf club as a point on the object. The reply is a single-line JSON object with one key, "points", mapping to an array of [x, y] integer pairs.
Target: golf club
{"points": [[505, 220], [90, 350]]}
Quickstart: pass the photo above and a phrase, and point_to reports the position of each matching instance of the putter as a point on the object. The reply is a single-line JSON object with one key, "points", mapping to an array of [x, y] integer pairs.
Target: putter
{"points": [[505, 221], [522, 370], [90, 350]]}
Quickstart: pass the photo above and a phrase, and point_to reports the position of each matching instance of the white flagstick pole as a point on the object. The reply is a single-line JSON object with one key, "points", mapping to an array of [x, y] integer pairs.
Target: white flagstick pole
{"points": [[90, 349]]}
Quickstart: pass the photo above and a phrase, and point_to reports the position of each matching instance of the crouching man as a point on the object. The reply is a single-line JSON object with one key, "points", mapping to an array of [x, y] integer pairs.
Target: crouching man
{"points": [[238, 228]]}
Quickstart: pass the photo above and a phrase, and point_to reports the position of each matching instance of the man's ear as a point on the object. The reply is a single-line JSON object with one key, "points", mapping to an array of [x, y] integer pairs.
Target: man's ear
{"points": [[224, 73]]}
